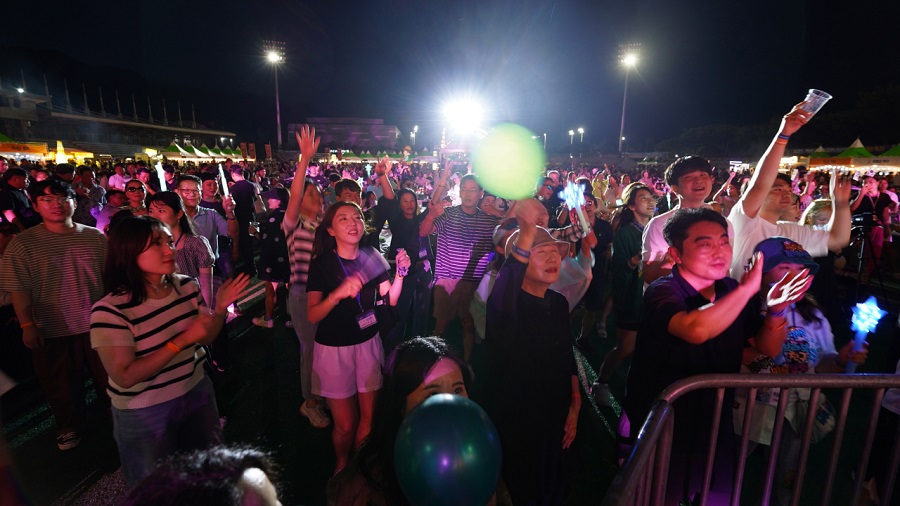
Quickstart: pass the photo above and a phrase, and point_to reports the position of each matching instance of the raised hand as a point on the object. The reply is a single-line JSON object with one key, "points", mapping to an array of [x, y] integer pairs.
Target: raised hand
{"points": [[383, 166], [753, 277], [788, 290], [793, 120], [529, 212], [840, 188], [307, 141], [230, 291]]}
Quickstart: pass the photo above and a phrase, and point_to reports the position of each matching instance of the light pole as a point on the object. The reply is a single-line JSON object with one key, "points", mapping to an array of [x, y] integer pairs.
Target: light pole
{"points": [[413, 134], [545, 141], [275, 56], [628, 55], [580, 141], [571, 137]]}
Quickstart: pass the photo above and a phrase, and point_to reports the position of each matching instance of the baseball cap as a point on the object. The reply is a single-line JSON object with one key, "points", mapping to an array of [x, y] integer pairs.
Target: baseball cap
{"points": [[777, 250], [541, 237], [276, 193]]}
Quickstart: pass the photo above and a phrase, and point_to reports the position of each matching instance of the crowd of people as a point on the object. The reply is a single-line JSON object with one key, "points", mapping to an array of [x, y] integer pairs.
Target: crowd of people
{"points": [[701, 270]]}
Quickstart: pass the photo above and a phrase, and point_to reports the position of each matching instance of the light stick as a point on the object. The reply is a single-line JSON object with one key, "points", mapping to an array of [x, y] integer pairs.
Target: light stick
{"points": [[161, 174], [224, 181], [865, 318], [573, 194]]}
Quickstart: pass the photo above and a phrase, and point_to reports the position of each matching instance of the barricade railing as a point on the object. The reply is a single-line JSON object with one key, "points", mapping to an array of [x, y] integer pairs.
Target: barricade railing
{"points": [[642, 478]]}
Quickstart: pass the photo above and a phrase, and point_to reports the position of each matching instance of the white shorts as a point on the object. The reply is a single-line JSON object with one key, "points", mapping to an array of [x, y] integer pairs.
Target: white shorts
{"points": [[339, 372]]}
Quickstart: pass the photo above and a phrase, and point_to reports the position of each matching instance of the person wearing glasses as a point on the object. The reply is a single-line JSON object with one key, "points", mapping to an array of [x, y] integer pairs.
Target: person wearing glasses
{"points": [[208, 222], [135, 194], [54, 272], [546, 193]]}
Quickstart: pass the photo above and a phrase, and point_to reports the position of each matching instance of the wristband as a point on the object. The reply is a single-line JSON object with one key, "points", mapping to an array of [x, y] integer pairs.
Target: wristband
{"points": [[776, 314], [174, 347], [519, 251], [26, 325], [785, 137], [781, 142]]}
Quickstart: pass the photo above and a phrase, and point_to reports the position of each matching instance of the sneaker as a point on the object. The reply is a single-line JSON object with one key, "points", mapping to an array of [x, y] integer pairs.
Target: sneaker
{"points": [[261, 321], [317, 417], [68, 440], [600, 393]]}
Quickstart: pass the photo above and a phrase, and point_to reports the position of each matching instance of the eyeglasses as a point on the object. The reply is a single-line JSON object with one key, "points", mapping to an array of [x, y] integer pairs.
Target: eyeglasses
{"points": [[49, 201], [189, 192], [132, 189]]}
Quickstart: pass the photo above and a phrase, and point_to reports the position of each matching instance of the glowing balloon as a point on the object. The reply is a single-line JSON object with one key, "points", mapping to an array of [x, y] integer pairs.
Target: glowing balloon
{"points": [[508, 162], [447, 452]]}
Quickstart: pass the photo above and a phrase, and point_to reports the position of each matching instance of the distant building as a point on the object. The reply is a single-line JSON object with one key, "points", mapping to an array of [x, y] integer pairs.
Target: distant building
{"points": [[357, 134], [33, 117]]}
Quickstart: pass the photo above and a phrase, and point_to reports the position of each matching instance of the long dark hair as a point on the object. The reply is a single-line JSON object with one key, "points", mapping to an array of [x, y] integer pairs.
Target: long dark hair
{"points": [[405, 369], [128, 239], [325, 242], [629, 196], [173, 201]]}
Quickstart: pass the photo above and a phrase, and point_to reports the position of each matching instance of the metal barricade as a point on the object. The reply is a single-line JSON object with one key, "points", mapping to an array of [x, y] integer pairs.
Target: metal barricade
{"points": [[642, 478]]}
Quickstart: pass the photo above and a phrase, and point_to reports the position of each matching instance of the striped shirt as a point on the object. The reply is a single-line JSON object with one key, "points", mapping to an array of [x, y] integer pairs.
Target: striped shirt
{"points": [[146, 328], [299, 234], [464, 244], [63, 273]]}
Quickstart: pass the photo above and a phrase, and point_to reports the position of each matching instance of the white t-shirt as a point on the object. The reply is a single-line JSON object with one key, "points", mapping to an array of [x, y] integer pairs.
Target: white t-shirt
{"points": [[653, 244], [748, 232]]}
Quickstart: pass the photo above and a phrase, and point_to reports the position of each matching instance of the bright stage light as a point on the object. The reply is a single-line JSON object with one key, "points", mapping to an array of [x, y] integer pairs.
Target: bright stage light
{"points": [[464, 115]]}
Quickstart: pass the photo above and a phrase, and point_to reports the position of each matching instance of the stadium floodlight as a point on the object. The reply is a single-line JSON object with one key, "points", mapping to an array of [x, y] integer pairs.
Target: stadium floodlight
{"points": [[464, 115]]}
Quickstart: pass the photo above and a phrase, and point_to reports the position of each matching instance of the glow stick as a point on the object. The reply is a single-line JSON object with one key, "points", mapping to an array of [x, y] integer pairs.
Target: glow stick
{"points": [[224, 181], [161, 174], [573, 194], [865, 318]]}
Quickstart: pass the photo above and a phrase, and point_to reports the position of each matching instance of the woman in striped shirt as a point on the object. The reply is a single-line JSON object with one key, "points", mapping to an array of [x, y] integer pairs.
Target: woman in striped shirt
{"points": [[148, 331]]}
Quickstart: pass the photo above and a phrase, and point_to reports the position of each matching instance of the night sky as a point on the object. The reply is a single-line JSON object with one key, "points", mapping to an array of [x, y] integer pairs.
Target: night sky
{"points": [[550, 65]]}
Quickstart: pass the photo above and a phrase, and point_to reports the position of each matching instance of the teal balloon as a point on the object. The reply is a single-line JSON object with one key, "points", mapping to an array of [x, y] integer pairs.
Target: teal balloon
{"points": [[447, 452], [509, 161]]}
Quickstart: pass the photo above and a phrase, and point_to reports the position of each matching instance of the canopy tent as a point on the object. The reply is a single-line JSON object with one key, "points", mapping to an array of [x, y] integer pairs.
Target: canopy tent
{"points": [[894, 151], [819, 153], [5, 139], [856, 150]]}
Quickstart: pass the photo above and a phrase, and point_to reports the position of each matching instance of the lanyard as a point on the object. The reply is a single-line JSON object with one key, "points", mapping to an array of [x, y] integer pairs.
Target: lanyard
{"points": [[347, 275]]}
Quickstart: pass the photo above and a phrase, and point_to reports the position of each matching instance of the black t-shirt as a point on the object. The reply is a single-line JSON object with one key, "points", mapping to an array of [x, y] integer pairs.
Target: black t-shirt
{"points": [[405, 234], [243, 193], [326, 273], [12, 199], [661, 358], [874, 205]]}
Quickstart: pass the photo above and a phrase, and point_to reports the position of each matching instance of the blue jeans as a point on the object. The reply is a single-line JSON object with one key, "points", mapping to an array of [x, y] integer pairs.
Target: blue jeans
{"points": [[149, 434]]}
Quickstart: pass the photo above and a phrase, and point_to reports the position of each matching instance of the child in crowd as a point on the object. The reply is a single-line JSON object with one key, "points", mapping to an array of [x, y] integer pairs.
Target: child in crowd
{"points": [[274, 266]]}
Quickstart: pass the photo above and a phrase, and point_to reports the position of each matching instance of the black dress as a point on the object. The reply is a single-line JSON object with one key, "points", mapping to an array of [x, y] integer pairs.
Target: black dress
{"points": [[528, 385]]}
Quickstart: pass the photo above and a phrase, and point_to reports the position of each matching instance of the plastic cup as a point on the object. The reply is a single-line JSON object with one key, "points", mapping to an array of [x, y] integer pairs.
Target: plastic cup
{"points": [[814, 101]]}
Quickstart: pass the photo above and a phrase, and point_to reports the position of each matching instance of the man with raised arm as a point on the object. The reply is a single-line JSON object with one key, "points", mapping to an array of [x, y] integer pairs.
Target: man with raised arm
{"points": [[768, 195], [697, 320], [464, 244]]}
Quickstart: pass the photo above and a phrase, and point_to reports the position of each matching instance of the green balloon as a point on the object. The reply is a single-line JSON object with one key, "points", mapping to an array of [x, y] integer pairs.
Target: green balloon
{"points": [[447, 452], [508, 162]]}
